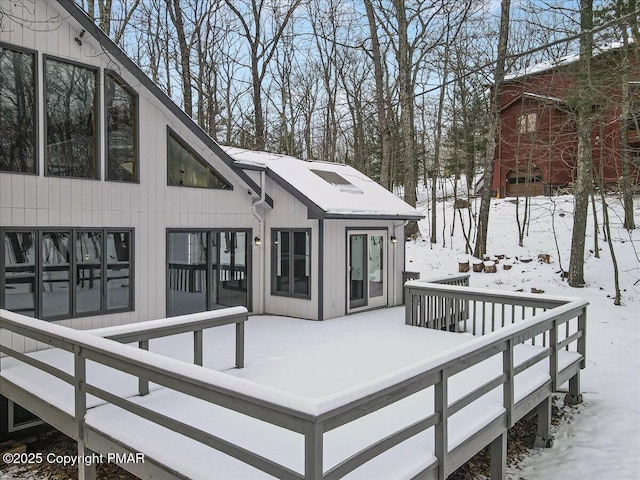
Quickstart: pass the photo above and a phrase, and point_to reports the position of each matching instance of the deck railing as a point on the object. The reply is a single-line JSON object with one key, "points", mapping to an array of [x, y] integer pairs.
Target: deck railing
{"points": [[314, 419], [195, 323], [477, 311]]}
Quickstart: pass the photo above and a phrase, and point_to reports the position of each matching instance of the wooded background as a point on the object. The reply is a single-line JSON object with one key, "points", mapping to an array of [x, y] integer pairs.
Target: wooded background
{"points": [[407, 91]]}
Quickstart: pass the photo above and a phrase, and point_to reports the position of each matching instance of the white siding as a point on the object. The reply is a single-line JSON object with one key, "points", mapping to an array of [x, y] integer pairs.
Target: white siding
{"points": [[149, 207], [290, 213], [335, 262]]}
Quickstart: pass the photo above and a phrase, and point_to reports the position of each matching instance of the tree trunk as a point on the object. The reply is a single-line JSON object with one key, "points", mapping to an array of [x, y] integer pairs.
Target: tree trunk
{"points": [[625, 184], [175, 12], [584, 182], [492, 133], [383, 122], [406, 92], [258, 116]]}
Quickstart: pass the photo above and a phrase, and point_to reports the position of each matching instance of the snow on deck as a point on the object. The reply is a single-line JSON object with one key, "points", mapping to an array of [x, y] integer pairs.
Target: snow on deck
{"points": [[300, 359]]}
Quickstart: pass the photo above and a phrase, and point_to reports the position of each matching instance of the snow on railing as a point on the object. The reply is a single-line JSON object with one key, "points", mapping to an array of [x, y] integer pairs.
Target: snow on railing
{"points": [[314, 418], [430, 304]]}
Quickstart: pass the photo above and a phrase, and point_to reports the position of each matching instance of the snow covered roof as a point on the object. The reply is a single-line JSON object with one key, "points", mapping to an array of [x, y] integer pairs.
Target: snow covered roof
{"points": [[330, 190], [562, 61]]}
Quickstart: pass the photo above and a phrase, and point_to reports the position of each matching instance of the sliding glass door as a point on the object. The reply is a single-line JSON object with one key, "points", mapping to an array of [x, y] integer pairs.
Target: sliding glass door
{"points": [[207, 270]]}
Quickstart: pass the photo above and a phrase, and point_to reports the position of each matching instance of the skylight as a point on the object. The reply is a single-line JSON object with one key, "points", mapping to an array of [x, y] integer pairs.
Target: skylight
{"points": [[337, 181]]}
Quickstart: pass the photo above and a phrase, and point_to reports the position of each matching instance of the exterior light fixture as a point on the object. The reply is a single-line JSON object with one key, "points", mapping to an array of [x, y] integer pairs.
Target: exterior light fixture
{"points": [[257, 241], [77, 39], [394, 239]]}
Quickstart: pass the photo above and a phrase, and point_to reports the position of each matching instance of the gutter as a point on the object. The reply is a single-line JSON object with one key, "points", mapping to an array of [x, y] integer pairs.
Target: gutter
{"points": [[261, 232]]}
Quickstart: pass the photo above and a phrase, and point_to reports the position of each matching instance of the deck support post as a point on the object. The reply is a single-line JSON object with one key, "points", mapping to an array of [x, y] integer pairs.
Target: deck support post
{"points": [[313, 451], [573, 397], [544, 439], [498, 457], [86, 462]]}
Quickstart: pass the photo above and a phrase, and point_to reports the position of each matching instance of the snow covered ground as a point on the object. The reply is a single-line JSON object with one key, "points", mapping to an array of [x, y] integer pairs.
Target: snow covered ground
{"points": [[602, 441]]}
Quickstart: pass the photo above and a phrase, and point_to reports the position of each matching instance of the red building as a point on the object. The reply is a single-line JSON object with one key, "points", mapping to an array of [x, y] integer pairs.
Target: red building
{"points": [[537, 144]]}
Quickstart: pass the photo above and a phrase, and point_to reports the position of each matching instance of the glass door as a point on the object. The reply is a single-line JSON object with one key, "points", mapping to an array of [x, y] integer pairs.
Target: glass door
{"points": [[377, 273], [367, 276], [229, 269], [357, 271], [208, 270]]}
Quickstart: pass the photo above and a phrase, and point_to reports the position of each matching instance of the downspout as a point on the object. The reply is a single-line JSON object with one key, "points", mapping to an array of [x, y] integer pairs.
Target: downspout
{"points": [[404, 246], [261, 229]]}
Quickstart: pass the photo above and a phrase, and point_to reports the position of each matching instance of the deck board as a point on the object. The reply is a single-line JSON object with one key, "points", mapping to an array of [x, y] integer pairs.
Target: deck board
{"points": [[300, 358]]}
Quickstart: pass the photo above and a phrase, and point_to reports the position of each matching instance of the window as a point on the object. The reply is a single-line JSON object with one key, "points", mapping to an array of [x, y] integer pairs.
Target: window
{"points": [[121, 121], [207, 269], [186, 169], [63, 273], [19, 272], [290, 263], [71, 109], [17, 111], [527, 122]]}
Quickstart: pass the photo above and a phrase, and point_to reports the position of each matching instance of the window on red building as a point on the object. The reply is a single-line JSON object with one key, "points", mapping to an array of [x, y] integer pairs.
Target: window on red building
{"points": [[527, 122]]}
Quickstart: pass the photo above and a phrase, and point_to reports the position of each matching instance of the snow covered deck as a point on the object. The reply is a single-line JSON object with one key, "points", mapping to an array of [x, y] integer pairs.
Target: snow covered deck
{"points": [[363, 396]]}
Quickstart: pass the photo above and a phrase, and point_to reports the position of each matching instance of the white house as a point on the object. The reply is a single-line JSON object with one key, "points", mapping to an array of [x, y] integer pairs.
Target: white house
{"points": [[116, 207]]}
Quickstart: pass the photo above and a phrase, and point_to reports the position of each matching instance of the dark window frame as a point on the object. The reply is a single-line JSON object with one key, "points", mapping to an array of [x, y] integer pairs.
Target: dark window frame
{"points": [[390, 274], [136, 105], [274, 256], [97, 117], [73, 274], [36, 106], [180, 141], [209, 261]]}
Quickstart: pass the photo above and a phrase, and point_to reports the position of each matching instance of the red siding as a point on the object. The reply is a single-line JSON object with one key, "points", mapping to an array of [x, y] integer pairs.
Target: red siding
{"points": [[552, 147]]}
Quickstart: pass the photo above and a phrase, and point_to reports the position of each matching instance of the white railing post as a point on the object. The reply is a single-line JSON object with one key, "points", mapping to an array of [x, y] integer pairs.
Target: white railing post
{"points": [[553, 360], [197, 347], [143, 383], [441, 402], [582, 341], [85, 472], [313, 451], [508, 387], [240, 344]]}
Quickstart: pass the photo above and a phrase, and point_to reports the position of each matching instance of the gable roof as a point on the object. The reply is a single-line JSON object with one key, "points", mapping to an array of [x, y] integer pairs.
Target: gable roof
{"points": [[534, 96], [116, 52], [564, 61], [329, 190]]}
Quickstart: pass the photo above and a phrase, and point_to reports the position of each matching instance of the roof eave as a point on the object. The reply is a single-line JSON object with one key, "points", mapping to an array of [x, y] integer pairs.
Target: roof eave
{"points": [[371, 216]]}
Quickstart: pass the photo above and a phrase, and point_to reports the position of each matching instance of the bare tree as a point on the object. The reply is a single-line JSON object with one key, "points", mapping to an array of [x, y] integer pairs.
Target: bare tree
{"points": [[251, 16], [584, 182], [381, 101], [492, 134], [112, 19]]}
